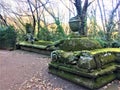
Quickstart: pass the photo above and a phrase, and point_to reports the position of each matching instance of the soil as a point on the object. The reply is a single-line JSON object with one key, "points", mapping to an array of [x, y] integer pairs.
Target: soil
{"points": [[22, 70]]}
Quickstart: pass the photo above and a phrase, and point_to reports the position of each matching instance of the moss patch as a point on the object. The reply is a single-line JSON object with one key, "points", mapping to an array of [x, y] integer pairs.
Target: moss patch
{"points": [[27, 44], [77, 44], [84, 73], [44, 43], [103, 50], [87, 82]]}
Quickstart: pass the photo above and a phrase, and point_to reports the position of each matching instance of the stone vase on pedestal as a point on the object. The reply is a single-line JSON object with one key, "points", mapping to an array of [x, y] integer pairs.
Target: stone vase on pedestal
{"points": [[74, 23]]}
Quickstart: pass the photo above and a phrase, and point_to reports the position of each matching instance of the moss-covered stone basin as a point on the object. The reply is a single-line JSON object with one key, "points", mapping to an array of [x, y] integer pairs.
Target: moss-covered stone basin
{"points": [[92, 69], [77, 44], [38, 47]]}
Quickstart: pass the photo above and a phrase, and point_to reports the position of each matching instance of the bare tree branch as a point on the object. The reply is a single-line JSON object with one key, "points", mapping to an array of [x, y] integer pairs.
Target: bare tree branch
{"points": [[4, 21], [33, 16], [48, 10], [90, 2], [101, 14], [67, 6]]}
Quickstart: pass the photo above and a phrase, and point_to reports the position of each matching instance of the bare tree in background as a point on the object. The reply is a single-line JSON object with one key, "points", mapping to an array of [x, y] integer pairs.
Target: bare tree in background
{"points": [[81, 16], [102, 13], [119, 19], [110, 24], [13, 17], [36, 9], [52, 14], [46, 9], [33, 16], [2, 15], [3, 21]]}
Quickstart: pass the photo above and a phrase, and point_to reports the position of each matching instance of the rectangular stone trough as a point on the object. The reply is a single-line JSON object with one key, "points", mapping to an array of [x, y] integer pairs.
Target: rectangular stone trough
{"points": [[91, 69], [35, 48]]}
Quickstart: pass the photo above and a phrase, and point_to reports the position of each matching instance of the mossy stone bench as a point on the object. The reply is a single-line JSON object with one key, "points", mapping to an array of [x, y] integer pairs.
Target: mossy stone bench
{"points": [[92, 69]]}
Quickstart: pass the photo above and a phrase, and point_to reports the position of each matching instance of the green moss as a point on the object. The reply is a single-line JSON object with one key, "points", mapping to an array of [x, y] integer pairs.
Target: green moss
{"points": [[86, 59], [44, 43], [63, 57], [38, 44], [107, 59], [84, 73], [104, 65], [73, 70], [27, 44], [74, 78], [74, 35], [77, 44], [105, 70], [104, 50], [104, 58], [86, 63], [101, 81], [87, 82]]}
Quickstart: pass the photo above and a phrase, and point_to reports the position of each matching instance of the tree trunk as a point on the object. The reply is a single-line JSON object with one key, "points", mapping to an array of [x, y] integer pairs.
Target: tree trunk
{"points": [[119, 19], [110, 22], [82, 14], [101, 14], [33, 16], [3, 20]]}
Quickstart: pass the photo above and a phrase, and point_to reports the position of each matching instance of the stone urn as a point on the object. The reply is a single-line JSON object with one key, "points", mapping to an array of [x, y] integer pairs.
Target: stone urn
{"points": [[74, 23]]}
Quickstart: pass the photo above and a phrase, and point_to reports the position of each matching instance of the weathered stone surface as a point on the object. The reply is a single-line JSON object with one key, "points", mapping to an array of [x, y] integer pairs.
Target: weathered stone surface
{"points": [[78, 44], [92, 69], [74, 23]]}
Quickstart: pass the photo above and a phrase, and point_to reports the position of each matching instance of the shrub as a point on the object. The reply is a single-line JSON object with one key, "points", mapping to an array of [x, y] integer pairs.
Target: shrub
{"points": [[115, 44], [102, 42], [45, 34], [116, 41], [7, 38]]}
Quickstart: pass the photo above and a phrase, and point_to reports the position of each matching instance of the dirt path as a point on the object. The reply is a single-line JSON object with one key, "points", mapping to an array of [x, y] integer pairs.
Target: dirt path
{"points": [[21, 70]]}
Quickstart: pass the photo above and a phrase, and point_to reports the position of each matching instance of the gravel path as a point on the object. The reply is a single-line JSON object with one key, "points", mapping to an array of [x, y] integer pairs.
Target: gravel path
{"points": [[21, 70]]}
